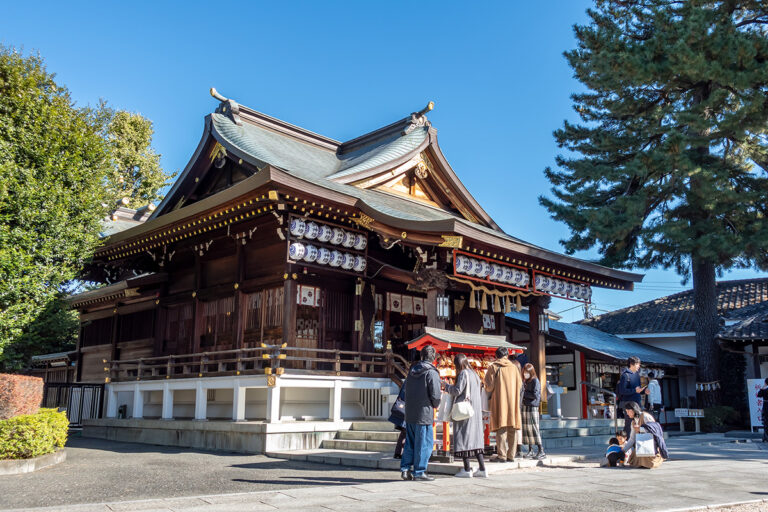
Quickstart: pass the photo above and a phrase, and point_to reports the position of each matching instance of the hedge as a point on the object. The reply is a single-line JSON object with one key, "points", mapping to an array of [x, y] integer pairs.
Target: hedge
{"points": [[32, 435], [19, 394]]}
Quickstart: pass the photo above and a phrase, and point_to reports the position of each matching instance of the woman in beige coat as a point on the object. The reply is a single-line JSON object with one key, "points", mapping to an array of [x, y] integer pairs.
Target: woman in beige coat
{"points": [[504, 383]]}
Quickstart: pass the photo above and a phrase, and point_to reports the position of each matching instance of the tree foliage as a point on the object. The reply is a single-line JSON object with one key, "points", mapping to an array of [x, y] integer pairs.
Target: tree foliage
{"points": [[671, 155], [135, 172], [57, 166], [52, 163], [668, 164]]}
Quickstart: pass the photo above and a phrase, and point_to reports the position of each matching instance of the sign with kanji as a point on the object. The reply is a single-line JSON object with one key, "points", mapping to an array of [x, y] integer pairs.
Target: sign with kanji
{"points": [[755, 404]]}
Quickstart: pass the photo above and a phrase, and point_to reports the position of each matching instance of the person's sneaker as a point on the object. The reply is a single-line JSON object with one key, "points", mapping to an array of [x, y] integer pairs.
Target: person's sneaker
{"points": [[424, 478], [541, 455], [464, 474], [480, 474], [406, 475], [530, 454]]}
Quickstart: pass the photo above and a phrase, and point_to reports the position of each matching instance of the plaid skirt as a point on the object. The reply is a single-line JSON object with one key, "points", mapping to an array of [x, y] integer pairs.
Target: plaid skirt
{"points": [[530, 420]]}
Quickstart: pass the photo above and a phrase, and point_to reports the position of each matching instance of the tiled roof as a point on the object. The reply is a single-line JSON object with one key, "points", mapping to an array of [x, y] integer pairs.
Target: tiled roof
{"points": [[753, 328], [674, 313], [312, 161], [605, 345]]}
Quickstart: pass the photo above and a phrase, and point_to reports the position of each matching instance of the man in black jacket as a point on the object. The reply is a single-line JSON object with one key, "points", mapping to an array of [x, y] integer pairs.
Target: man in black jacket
{"points": [[763, 393], [422, 396]]}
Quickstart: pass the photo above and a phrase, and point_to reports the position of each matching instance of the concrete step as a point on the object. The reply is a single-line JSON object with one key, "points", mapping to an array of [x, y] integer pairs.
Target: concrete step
{"points": [[553, 433], [386, 461], [364, 446], [546, 424], [368, 435], [573, 442], [372, 426]]}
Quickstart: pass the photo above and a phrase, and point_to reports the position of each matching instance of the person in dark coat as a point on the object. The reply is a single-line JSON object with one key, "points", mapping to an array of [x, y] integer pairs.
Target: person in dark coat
{"points": [[763, 393], [530, 412], [422, 397], [468, 435], [397, 418], [629, 389]]}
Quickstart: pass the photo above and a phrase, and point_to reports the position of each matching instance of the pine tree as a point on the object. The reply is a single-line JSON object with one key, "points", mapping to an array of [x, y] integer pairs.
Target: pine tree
{"points": [[669, 163]]}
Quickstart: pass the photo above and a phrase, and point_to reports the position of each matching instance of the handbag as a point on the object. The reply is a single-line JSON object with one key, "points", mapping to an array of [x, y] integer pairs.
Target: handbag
{"points": [[463, 410], [399, 407], [645, 446]]}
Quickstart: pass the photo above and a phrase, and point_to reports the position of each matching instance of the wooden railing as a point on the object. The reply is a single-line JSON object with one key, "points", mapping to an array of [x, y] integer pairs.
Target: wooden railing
{"points": [[267, 359]]}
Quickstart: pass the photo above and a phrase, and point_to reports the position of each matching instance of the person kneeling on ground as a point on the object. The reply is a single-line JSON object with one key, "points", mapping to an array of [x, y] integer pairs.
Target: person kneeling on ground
{"points": [[643, 422], [468, 437], [615, 453], [422, 396]]}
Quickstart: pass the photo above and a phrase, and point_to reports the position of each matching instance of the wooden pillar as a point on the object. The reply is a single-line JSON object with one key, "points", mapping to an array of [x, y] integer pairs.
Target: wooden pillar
{"points": [[357, 319], [537, 350], [113, 340], [239, 310], [756, 359], [196, 306], [289, 311], [432, 320]]}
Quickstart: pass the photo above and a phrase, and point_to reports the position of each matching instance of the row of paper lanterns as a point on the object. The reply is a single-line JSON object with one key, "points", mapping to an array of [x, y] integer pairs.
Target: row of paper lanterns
{"points": [[561, 287], [484, 270], [299, 251], [311, 230]]}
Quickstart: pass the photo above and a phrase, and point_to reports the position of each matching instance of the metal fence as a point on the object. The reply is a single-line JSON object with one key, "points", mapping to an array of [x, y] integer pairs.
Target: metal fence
{"points": [[81, 401]]}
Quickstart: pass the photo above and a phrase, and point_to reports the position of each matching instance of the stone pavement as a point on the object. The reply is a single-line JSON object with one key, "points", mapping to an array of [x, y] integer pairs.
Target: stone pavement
{"points": [[704, 470]]}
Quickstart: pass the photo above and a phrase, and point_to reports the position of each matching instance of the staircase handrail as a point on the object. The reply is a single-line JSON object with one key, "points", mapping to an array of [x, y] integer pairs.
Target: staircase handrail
{"points": [[611, 394]]}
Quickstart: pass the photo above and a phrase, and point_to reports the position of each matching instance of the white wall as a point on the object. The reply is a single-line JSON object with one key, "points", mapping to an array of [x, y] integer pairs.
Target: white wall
{"points": [[685, 345]]}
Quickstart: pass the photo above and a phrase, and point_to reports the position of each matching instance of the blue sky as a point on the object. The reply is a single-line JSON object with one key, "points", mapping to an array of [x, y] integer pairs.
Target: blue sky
{"points": [[495, 71]]}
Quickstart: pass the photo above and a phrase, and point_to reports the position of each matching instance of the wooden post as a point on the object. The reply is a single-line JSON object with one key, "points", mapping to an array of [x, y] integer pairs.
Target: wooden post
{"points": [[357, 331], [289, 311], [239, 310], [537, 350], [196, 306]]}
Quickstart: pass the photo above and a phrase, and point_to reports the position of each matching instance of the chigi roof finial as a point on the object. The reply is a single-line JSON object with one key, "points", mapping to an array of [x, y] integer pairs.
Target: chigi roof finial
{"points": [[419, 119], [219, 97], [426, 109]]}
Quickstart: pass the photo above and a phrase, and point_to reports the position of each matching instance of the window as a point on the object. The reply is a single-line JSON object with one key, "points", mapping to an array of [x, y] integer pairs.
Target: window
{"points": [[137, 326], [96, 332], [179, 329], [217, 322]]}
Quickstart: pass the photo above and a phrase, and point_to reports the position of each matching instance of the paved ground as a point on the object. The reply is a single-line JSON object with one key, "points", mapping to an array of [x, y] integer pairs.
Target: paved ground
{"points": [[705, 470]]}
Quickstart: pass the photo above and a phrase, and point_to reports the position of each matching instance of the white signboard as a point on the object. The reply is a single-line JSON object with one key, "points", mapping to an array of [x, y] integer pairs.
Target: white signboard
{"points": [[755, 404], [689, 413]]}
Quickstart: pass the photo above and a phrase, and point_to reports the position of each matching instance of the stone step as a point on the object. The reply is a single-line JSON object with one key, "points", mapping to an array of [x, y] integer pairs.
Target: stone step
{"points": [[363, 446], [386, 461], [546, 424], [554, 433], [368, 435], [372, 426]]}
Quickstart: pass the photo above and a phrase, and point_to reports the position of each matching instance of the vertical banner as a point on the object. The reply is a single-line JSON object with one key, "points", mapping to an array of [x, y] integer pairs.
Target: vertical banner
{"points": [[755, 404]]}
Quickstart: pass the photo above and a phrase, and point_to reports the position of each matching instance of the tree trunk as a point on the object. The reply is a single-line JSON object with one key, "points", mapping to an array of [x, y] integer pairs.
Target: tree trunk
{"points": [[706, 322]]}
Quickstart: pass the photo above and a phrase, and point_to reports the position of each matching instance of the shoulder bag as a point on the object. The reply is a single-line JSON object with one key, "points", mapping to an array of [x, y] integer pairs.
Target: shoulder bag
{"points": [[463, 410]]}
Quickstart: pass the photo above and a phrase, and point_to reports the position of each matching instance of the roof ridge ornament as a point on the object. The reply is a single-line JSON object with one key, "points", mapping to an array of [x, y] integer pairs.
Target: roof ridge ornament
{"points": [[228, 107], [419, 119]]}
